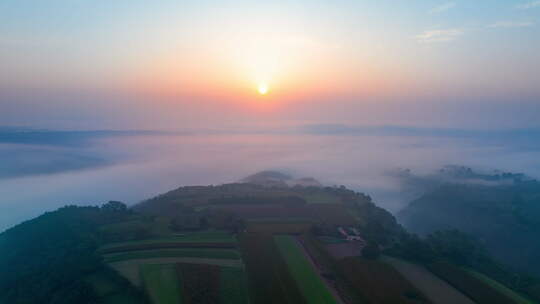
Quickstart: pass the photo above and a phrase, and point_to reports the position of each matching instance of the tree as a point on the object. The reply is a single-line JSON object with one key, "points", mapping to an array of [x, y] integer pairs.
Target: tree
{"points": [[114, 206]]}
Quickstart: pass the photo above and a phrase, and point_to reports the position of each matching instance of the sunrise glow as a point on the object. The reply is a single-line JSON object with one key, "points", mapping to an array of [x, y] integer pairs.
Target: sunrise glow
{"points": [[263, 88]]}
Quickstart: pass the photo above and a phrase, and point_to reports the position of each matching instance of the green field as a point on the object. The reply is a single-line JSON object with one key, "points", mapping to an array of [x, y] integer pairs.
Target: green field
{"points": [[500, 287], [434, 288], [233, 286], [309, 282], [193, 237], [269, 278], [161, 253], [378, 282], [161, 283]]}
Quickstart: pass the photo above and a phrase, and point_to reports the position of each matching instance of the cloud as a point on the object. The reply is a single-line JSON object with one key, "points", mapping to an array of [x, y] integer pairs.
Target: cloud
{"points": [[529, 5], [509, 24], [442, 8], [439, 35]]}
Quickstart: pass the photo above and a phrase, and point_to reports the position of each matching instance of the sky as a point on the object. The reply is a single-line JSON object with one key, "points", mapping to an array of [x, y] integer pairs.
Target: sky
{"points": [[174, 65]]}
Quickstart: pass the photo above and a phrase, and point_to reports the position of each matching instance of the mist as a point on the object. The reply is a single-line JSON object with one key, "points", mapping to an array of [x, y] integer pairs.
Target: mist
{"points": [[42, 177]]}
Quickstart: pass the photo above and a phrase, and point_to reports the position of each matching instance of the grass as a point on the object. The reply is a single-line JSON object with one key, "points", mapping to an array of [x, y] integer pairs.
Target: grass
{"points": [[160, 253], [233, 287], [309, 282], [161, 283], [517, 298]]}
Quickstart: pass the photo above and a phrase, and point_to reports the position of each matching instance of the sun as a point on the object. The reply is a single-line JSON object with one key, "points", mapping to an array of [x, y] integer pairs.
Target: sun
{"points": [[262, 88]]}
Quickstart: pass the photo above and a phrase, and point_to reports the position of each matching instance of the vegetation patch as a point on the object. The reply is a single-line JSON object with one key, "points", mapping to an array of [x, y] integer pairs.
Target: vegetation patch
{"points": [[161, 283], [279, 226], [194, 237], [188, 252], [309, 282], [507, 292], [233, 287], [378, 282], [435, 289], [113, 289], [476, 288], [200, 283], [269, 279]]}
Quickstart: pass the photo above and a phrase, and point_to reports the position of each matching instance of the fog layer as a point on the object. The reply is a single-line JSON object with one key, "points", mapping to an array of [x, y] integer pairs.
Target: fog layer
{"points": [[40, 177]]}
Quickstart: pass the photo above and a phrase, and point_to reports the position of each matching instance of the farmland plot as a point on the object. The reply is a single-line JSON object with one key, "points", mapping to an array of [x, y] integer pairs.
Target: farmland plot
{"points": [[269, 278], [437, 290], [501, 288], [233, 286], [310, 283], [162, 253], [161, 283], [378, 282]]}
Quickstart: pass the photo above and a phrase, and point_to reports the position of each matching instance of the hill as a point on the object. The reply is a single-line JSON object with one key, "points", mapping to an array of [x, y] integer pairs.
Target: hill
{"points": [[501, 209], [244, 243]]}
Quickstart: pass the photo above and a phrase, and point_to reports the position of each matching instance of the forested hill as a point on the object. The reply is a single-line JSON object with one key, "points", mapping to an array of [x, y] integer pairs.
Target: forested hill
{"points": [[501, 209]]}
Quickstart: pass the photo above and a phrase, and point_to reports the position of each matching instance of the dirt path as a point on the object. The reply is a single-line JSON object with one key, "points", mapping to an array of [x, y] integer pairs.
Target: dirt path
{"points": [[328, 284], [437, 290]]}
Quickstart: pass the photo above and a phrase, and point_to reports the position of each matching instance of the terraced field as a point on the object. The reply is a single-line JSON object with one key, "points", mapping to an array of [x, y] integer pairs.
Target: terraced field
{"points": [[311, 285], [163, 253], [191, 268], [378, 282], [198, 239], [279, 226], [269, 279], [161, 283], [233, 286], [507, 292], [434, 288]]}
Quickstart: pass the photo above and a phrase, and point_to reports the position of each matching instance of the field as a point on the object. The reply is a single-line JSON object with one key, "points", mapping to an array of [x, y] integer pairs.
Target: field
{"points": [[378, 282], [477, 289], [269, 279], [161, 283], [292, 226], [197, 267], [200, 283], [308, 280], [435, 289], [509, 293], [160, 253], [233, 286], [190, 238]]}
